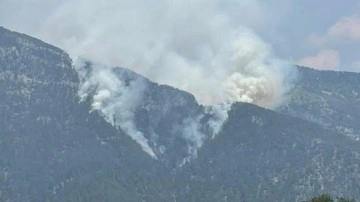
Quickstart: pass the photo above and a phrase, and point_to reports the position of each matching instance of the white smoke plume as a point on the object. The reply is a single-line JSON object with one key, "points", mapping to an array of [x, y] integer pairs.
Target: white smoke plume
{"points": [[114, 99], [194, 45], [200, 46]]}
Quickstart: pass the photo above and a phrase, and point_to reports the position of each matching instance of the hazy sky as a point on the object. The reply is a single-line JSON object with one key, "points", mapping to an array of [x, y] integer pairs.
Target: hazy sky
{"points": [[319, 33]]}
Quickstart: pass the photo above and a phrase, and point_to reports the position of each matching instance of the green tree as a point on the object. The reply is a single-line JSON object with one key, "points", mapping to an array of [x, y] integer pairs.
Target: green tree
{"points": [[328, 198], [342, 199], [322, 198]]}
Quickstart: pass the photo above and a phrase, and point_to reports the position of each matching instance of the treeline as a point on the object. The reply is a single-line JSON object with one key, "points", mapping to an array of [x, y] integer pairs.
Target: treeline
{"points": [[328, 198]]}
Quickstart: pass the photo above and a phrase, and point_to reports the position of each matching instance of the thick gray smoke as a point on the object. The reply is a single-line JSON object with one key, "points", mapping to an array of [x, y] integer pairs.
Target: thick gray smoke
{"points": [[199, 46], [113, 98]]}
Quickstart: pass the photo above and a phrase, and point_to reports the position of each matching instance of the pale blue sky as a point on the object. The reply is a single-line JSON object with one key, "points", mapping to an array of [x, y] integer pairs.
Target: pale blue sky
{"points": [[319, 33], [309, 17]]}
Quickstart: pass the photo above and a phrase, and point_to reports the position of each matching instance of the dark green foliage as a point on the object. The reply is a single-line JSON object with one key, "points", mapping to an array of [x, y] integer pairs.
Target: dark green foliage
{"points": [[322, 198], [329, 198], [342, 199]]}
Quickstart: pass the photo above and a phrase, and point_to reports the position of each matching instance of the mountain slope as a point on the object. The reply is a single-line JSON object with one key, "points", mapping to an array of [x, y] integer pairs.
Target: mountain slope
{"points": [[48, 138], [264, 156], [55, 148], [328, 98]]}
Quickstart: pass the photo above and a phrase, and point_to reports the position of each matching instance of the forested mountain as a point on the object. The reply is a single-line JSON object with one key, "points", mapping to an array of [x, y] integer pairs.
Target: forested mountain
{"points": [[55, 147], [330, 99]]}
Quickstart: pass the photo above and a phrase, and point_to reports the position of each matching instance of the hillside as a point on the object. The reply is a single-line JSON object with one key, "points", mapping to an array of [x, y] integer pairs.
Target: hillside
{"points": [[54, 147]]}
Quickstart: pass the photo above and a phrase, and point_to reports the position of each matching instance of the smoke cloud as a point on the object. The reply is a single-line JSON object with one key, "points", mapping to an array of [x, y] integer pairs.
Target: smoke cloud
{"points": [[113, 98], [198, 46]]}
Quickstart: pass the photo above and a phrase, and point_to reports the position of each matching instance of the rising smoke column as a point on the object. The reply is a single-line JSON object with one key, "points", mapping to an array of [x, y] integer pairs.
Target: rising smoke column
{"points": [[113, 98], [195, 45]]}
